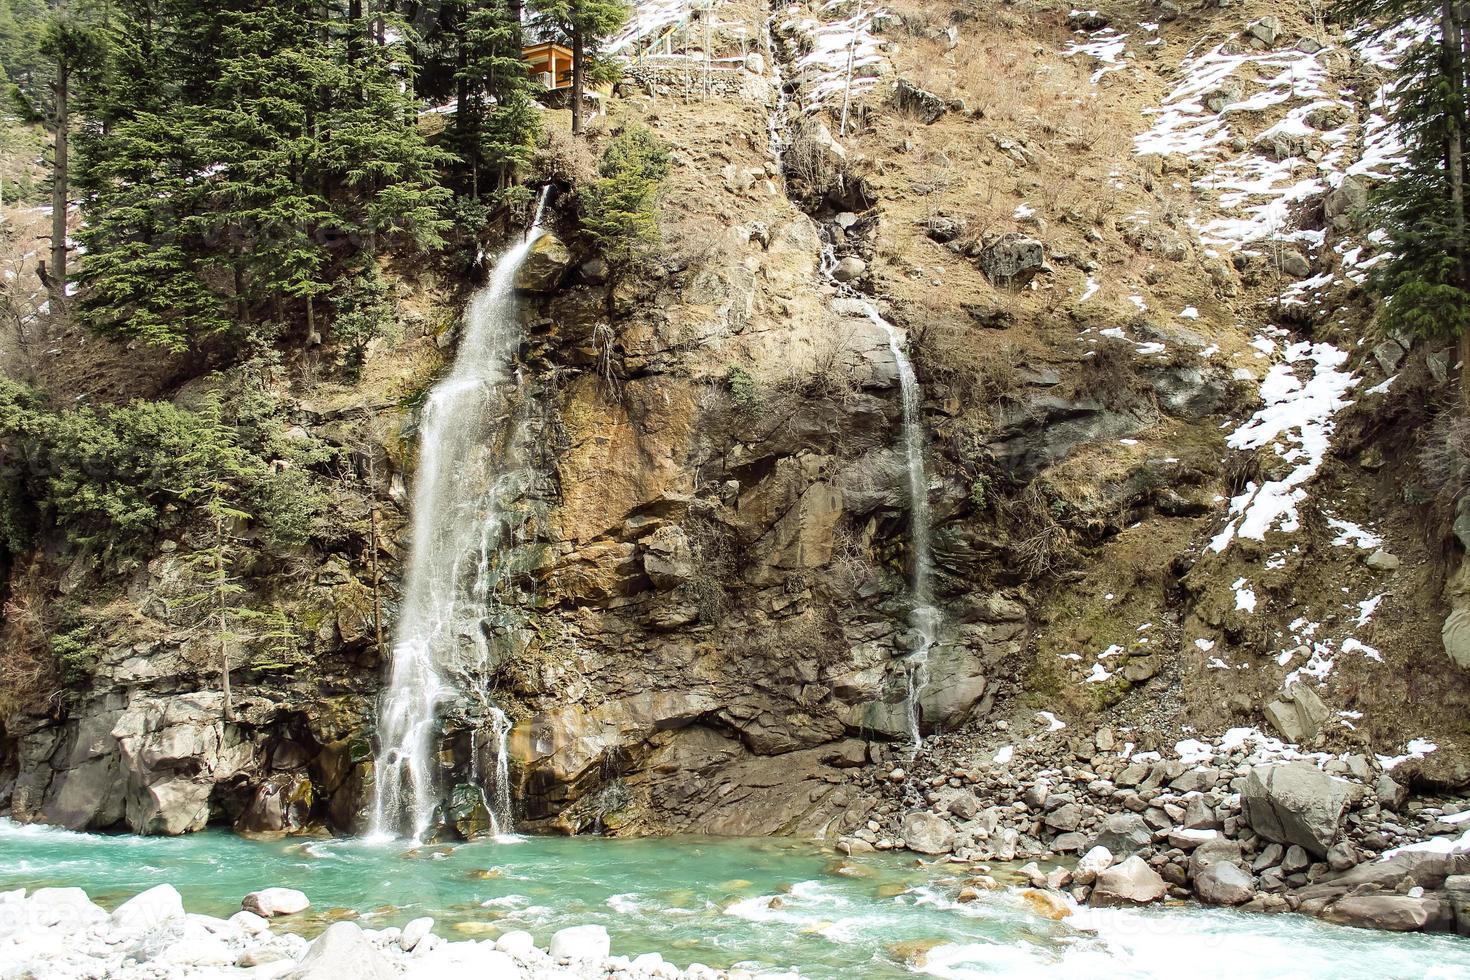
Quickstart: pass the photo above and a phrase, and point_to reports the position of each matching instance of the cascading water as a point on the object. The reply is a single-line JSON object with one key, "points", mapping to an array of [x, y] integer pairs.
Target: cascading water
{"points": [[923, 615], [465, 476]]}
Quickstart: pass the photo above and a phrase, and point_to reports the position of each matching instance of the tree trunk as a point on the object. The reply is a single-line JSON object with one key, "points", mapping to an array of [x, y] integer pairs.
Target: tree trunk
{"points": [[223, 610], [578, 75], [1452, 41], [60, 184]]}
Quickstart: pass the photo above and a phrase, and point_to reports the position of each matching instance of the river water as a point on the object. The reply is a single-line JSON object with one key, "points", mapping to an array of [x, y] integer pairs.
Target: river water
{"points": [[768, 904]]}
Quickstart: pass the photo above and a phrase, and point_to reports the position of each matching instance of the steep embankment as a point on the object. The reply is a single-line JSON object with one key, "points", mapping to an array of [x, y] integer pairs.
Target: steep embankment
{"points": [[1168, 473]]}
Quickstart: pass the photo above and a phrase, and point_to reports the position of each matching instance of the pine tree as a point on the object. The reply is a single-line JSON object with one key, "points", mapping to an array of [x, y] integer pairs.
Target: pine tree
{"points": [[619, 209], [1425, 283], [501, 121], [586, 25]]}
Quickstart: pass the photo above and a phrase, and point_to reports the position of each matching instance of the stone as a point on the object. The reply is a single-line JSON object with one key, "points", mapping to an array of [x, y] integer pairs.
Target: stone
{"points": [[1131, 883], [149, 909], [1298, 714], [1457, 890], [1293, 263], [1294, 803], [1013, 260], [1224, 883], [71, 907], [927, 106], [271, 902], [1382, 561], [342, 952], [249, 923], [414, 933], [1123, 834], [1341, 856], [1296, 859], [1095, 860], [849, 269], [1048, 905], [1394, 913], [927, 833], [668, 557], [1346, 201], [517, 942], [1199, 815], [545, 267], [1388, 355], [581, 943], [1068, 816], [1263, 32], [1217, 851], [1391, 795]]}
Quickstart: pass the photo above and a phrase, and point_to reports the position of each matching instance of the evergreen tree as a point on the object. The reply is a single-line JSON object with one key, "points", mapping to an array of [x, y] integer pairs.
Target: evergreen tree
{"points": [[500, 122], [1425, 283], [586, 25], [619, 209]]}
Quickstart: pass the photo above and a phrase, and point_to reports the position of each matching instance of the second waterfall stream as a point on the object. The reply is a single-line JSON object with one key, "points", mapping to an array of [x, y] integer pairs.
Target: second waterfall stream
{"points": [[469, 467]]}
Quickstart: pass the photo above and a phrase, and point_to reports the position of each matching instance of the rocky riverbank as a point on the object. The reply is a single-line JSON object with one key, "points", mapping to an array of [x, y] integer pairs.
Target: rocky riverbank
{"points": [[1241, 820], [61, 933]]}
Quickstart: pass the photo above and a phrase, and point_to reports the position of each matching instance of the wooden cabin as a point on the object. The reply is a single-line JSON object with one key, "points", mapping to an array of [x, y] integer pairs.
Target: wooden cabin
{"points": [[550, 64]]}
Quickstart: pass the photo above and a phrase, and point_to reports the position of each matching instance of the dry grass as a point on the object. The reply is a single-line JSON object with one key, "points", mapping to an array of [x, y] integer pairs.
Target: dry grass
{"points": [[28, 676]]}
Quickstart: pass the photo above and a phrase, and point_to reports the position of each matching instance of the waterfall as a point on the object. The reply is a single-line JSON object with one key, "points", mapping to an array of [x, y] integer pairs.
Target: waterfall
{"points": [[497, 797], [465, 476], [924, 617]]}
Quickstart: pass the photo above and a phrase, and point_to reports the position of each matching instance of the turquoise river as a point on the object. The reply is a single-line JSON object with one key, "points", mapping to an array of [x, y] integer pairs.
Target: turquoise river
{"points": [[767, 905]]}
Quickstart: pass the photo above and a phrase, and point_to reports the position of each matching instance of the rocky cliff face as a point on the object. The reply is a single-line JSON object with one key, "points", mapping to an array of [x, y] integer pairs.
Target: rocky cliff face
{"points": [[1168, 459]]}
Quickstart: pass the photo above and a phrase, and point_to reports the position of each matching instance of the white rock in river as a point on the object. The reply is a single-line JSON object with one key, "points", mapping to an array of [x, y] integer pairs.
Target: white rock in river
{"points": [[148, 909], [517, 942], [270, 902], [414, 932], [206, 951], [343, 952], [1095, 860], [581, 943], [467, 959], [66, 907], [1131, 883], [249, 923]]}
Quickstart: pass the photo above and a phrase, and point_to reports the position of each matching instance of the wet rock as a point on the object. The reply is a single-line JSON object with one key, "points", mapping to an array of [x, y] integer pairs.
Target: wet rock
{"points": [[849, 269], [1457, 891], [1047, 904], [546, 267], [1131, 883], [1294, 803], [271, 902], [927, 833], [1224, 883], [281, 803], [1395, 913]]}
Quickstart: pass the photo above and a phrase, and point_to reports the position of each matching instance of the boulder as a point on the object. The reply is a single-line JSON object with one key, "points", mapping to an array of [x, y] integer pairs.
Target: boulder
{"points": [[1223, 883], [927, 106], [1294, 803], [1096, 860], [1217, 851], [343, 952], [668, 558], [271, 902], [545, 267], [1344, 202], [414, 933], [849, 269], [66, 907], [581, 943], [1395, 913], [1262, 33], [927, 833], [1131, 883], [1382, 561], [281, 803], [1457, 890], [149, 909], [1013, 260], [1047, 904], [1123, 834], [1293, 263], [1298, 714]]}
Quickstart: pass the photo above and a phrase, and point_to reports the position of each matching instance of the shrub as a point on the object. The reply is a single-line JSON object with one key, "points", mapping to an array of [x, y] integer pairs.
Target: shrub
{"points": [[363, 314], [619, 209], [744, 389]]}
